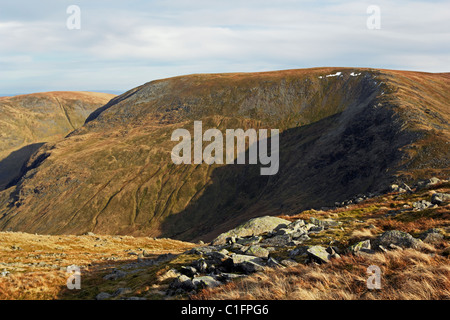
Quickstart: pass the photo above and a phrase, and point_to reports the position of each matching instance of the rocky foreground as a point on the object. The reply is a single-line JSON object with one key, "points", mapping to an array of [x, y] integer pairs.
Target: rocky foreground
{"points": [[313, 255]]}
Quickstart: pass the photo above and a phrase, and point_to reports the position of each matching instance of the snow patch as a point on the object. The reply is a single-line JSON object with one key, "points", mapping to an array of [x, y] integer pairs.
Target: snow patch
{"points": [[334, 75]]}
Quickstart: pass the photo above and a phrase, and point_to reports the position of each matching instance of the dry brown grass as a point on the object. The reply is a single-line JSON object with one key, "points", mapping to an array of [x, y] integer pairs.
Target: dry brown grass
{"points": [[38, 268], [406, 275]]}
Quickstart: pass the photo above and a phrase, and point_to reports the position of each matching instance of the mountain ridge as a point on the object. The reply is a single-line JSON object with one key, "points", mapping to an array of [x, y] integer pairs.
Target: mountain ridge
{"points": [[341, 135]]}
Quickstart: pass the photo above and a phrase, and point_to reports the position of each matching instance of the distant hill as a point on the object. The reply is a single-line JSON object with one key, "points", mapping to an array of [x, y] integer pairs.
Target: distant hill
{"points": [[28, 121], [344, 131]]}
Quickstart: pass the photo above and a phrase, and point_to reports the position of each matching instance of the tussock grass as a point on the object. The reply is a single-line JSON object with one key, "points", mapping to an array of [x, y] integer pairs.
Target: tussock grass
{"points": [[406, 275], [37, 263]]}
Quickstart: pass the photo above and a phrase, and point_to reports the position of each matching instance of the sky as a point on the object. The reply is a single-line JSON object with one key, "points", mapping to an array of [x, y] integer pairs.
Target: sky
{"points": [[122, 44]]}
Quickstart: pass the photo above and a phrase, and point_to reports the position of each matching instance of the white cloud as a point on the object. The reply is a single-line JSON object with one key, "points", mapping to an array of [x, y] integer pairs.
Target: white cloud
{"points": [[121, 43]]}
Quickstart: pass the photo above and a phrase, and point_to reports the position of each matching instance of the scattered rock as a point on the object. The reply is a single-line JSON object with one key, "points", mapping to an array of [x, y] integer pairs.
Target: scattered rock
{"points": [[188, 271], [366, 253], [218, 257], [428, 183], [381, 248], [117, 274], [278, 241], [319, 253], [397, 238], [299, 251], [226, 277], [289, 263], [205, 282], [249, 240], [432, 181], [237, 247], [440, 198], [135, 298], [422, 205], [272, 263], [246, 263], [395, 247], [432, 236], [182, 282], [257, 251], [253, 227], [316, 229], [405, 187], [122, 291], [296, 225], [103, 296], [326, 223], [200, 265], [201, 250], [359, 246]]}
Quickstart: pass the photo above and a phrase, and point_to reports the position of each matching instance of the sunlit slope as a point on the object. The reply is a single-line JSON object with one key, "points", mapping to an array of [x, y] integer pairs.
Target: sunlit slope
{"points": [[343, 132], [28, 121]]}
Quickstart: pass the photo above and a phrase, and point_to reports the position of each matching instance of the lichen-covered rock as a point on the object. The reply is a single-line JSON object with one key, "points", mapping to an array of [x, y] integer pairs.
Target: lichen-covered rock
{"points": [[240, 258], [218, 256], [397, 238], [422, 205], [253, 227], [205, 282], [432, 236], [188, 271], [182, 282], [319, 253], [249, 240], [272, 263], [360, 246], [200, 265], [278, 241], [245, 263], [432, 181], [299, 251], [440, 198], [326, 223], [258, 251], [251, 267], [297, 224], [289, 263]]}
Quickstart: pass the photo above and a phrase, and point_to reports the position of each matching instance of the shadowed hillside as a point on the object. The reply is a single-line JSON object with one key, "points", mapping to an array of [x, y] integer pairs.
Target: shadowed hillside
{"points": [[343, 132], [28, 121]]}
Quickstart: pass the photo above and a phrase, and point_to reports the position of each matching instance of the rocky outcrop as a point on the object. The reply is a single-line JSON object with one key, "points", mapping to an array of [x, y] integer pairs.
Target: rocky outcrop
{"points": [[396, 238], [253, 227]]}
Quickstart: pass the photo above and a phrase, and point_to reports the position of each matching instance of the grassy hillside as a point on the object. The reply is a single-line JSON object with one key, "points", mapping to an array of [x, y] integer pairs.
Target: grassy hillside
{"points": [[125, 267], [28, 121], [341, 135]]}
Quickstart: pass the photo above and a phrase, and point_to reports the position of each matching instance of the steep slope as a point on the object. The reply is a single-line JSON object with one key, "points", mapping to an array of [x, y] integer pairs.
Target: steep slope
{"points": [[28, 121], [343, 132]]}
